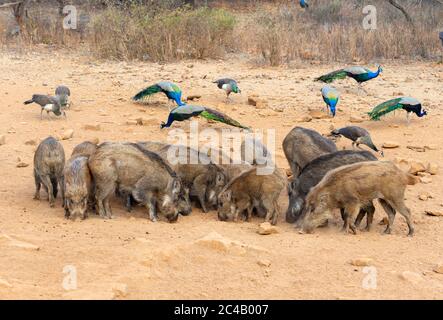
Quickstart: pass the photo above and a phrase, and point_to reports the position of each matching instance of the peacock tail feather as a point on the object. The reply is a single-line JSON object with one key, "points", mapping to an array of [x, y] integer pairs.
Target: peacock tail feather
{"points": [[385, 108], [147, 92], [332, 76], [215, 115]]}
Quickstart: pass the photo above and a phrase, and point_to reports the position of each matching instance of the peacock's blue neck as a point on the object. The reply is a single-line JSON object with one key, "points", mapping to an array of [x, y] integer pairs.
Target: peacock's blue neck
{"points": [[372, 75]]}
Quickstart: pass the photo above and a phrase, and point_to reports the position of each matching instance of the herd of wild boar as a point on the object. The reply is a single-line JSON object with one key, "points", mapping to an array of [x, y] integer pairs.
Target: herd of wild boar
{"points": [[323, 179]]}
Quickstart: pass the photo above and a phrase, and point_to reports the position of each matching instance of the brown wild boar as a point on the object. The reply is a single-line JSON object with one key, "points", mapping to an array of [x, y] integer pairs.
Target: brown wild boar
{"points": [[79, 188], [204, 179], [353, 186], [136, 171], [84, 149], [248, 191], [302, 145], [49, 161]]}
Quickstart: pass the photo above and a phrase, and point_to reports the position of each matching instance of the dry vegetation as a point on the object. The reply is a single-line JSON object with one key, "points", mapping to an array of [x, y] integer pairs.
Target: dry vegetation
{"points": [[268, 33]]}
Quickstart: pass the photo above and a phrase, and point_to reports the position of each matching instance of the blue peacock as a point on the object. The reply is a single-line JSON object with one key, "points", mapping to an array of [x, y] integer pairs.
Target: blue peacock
{"points": [[331, 97], [304, 4], [357, 73], [405, 103], [171, 90], [185, 112]]}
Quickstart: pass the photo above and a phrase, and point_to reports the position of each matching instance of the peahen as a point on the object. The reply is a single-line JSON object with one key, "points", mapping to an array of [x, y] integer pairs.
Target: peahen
{"points": [[186, 112], [331, 97], [359, 74], [171, 90], [357, 135], [406, 103], [63, 93], [48, 104], [304, 4], [229, 85]]}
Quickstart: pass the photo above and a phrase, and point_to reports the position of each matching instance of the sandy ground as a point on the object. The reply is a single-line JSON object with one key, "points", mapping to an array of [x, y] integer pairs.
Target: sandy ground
{"points": [[133, 258]]}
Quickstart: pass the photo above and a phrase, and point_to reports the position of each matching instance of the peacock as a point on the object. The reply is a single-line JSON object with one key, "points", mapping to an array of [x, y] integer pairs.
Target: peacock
{"points": [[185, 112], [304, 4], [357, 73], [48, 104], [229, 85], [171, 90], [406, 103], [357, 135], [331, 97], [63, 93]]}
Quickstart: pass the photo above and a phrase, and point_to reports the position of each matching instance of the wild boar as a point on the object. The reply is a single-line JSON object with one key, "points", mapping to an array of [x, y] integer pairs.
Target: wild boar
{"points": [[84, 149], [49, 161], [79, 188], [302, 145], [135, 170], [250, 190], [353, 186], [312, 174], [254, 152], [204, 179]]}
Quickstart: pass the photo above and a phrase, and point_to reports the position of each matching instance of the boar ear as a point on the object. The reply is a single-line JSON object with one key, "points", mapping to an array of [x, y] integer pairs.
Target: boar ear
{"points": [[220, 178], [176, 186]]}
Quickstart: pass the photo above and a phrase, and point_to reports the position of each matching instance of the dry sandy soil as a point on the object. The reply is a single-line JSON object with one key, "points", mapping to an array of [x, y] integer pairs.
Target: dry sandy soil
{"points": [[133, 258]]}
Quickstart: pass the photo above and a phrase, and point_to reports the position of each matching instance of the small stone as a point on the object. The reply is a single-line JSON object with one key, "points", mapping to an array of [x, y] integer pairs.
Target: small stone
{"points": [[434, 213], [22, 165], [266, 228], [120, 290], [92, 127], [193, 97], [416, 148], [430, 147], [131, 122], [305, 118], [416, 166], [31, 142], [432, 168], [362, 262], [2, 139], [316, 114], [411, 276], [264, 263], [67, 134], [390, 145], [439, 268], [356, 119], [279, 109], [425, 180], [423, 197], [252, 100]]}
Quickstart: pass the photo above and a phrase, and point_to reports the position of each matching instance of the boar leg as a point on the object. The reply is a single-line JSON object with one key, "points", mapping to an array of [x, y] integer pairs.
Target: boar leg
{"points": [[37, 186], [103, 192], [268, 205], [276, 213], [199, 188], [48, 183], [61, 183], [351, 210], [391, 215], [400, 206], [369, 216]]}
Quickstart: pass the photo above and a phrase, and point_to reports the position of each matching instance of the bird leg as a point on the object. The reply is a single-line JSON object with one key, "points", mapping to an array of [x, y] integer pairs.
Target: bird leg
{"points": [[41, 114], [408, 118], [360, 86]]}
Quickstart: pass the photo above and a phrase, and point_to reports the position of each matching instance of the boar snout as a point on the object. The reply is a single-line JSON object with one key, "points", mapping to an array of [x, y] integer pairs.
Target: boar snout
{"points": [[294, 211], [75, 209]]}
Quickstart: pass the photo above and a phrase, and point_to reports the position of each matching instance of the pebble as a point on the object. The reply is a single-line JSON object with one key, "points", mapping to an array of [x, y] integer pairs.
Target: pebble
{"points": [[266, 228]]}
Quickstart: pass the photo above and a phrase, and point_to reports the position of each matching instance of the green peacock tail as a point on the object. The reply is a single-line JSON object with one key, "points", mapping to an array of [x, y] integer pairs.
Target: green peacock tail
{"points": [[147, 92], [385, 108], [330, 77], [215, 115]]}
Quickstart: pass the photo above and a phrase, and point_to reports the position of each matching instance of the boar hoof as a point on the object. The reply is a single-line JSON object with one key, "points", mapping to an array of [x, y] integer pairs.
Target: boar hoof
{"points": [[387, 231], [36, 197], [52, 204]]}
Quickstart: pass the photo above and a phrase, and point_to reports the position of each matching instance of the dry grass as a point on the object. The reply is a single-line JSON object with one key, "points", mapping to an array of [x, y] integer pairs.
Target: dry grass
{"points": [[331, 30]]}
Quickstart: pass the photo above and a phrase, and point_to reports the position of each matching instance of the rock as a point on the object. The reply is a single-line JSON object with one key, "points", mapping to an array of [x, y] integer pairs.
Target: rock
{"points": [[432, 168], [316, 114], [434, 213], [425, 180], [92, 127], [362, 262], [252, 100], [31, 142], [217, 242], [193, 97], [416, 166], [416, 148], [2, 139], [424, 196], [279, 109], [5, 284], [356, 119], [120, 290], [94, 140], [266, 228], [305, 118], [430, 147], [264, 263], [22, 164], [390, 145], [67, 134], [439, 268], [132, 122], [410, 276]]}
